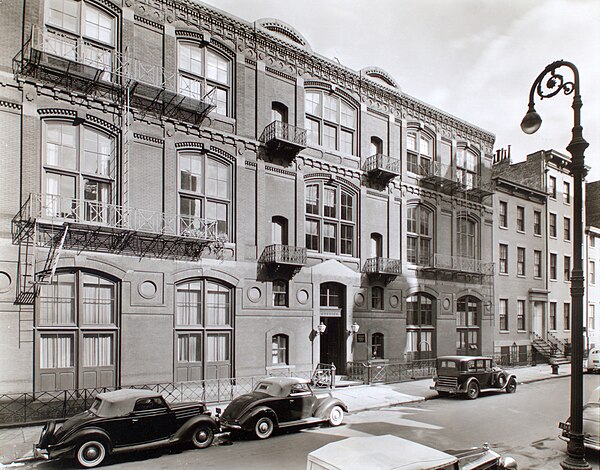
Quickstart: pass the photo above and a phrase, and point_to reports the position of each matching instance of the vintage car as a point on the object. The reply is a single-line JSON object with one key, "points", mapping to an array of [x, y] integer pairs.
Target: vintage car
{"points": [[123, 421], [591, 423], [280, 402], [593, 361], [392, 452], [470, 375]]}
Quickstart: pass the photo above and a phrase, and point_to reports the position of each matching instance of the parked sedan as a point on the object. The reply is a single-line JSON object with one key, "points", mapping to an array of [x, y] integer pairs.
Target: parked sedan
{"points": [[123, 421], [591, 423], [281, 402]]}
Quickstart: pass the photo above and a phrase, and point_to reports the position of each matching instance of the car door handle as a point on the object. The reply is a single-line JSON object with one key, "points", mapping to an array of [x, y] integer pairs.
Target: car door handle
{"points": [[134, 420]]}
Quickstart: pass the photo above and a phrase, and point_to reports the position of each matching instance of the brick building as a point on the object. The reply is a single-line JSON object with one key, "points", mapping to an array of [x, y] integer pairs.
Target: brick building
{"points": [[188, 196]]}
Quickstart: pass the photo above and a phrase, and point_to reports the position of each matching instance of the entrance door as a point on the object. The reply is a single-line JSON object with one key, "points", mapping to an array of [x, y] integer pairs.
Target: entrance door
{"points": [[333, 341], [537, 325]]}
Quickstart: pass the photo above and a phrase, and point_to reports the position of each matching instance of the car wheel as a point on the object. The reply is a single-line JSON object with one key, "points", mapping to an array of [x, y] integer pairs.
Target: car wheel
{"points": [[472, 391], [443, 393], [336, 416], [91, 453], [203, 436], [511, 386], [263, 428]]}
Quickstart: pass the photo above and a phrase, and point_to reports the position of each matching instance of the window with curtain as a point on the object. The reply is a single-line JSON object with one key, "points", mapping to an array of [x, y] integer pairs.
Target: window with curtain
{"points": [[467, 163], [467, 237], [330, 224], [280, 350], [280, 293], [77, 308], [377, 298], [330, 121], [205, 75], [420, 329], [377, 349], [419, 235], [419, 152]]}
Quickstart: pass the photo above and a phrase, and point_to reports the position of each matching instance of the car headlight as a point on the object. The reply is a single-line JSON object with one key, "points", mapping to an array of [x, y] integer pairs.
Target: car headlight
{"points": [[508, 463]]}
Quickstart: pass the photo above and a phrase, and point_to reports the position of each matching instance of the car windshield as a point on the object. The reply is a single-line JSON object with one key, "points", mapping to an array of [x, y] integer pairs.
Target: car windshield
{"points": [[268, 388]]}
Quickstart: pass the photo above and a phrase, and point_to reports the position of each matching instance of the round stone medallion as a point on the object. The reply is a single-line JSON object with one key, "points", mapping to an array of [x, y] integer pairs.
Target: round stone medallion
{"points": [[147, 289], [5, 282], [394, 301], [302, 296], [254, 294], [359, 299]]}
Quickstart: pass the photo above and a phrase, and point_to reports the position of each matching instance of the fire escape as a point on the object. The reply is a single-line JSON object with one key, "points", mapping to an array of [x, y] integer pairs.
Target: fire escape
{"points": [[48, 224]]}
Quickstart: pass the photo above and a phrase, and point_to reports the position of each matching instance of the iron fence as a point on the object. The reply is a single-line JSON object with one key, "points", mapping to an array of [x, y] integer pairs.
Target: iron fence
{"points": [[390, 372]]}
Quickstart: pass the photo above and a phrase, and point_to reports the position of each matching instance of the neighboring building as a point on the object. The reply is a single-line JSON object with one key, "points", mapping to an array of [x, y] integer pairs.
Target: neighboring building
{"points": [[187, 195], [592, 256], [539, 190]]}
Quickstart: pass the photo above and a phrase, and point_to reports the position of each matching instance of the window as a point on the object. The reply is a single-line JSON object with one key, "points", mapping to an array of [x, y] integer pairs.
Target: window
{"points": [[203, 319], [503, 314], [467, 325], [552, 222], [77, 327], [330, 121], [537, 263], [552, 316], [567, 192], [279, 230], [279, 350], [204, 75], [280, 293], [466, 168], [592, 272], [331, 296], [419, 228], [419, 152], [279, 112], [467, 234], [520, 219], [420, 326], [330, 225], [520, 261], [79, 165], [377, 298], [503, 214], [503, 258], [521, 315], [567, 228], [592, 241], [204, 195], [567, 316], [567, 268], [552, 187], [591, 325], [376, 146], [553, 274], [377, 346], [81, 32], [537, 223]]}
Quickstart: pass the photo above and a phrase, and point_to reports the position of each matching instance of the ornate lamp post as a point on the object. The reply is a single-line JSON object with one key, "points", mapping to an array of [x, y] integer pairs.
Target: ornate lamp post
{"points": [[548, 84]]}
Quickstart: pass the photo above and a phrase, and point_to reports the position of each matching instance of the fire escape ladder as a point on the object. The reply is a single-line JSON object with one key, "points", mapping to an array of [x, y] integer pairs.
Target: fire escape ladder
{"points": [[56, 245]]}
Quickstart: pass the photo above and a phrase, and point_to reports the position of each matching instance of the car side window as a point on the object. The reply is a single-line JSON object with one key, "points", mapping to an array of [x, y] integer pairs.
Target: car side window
{"points": [[299, 389], [145, 404], [471, 366]]}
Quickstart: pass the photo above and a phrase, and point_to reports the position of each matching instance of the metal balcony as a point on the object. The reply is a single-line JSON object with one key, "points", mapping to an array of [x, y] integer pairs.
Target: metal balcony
{"points": [[284, 139], [98, 226], [284, 255], [385, 266], [381, 166], [441, 177], [459, 264]]}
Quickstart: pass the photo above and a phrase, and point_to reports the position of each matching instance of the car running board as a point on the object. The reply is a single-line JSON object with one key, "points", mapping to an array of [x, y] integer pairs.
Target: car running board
{"points": [[288, 424], [147, 445]]}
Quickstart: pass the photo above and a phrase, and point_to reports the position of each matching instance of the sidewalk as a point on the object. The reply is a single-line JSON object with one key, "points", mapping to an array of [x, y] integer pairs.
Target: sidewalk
{"points": [[17, 443]]}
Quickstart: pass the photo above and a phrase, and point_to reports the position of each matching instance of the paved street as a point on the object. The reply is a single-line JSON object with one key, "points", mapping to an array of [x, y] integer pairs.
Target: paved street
{"points": [[523, 425]]}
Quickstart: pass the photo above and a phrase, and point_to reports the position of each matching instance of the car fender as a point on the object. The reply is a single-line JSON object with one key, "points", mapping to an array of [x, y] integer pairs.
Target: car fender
{"points": [[185, 431], [508, 379], [465, 386], [78, 436], [327, 404], [247, 420]]}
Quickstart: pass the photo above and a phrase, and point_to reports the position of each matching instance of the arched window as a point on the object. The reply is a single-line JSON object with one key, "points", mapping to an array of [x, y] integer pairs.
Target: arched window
{"points": [[203, 330], [330, 219], [330, 121], [205, 75], [377, 351], [331, 295], [467, 237], [205, 189], [81, 32], [419, 152], [376, 245], [419, 236], [279, 112], [280, 293], [79, 172], [467, 325], [377, 298], [279, 230], [280, 350], [420, 329], [466, 167], [77, 327], [376, 146]]}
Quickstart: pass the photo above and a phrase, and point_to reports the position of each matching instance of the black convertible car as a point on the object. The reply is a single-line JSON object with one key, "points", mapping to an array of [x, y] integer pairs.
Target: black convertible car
{"points": [[281, 402], [123, 421]]}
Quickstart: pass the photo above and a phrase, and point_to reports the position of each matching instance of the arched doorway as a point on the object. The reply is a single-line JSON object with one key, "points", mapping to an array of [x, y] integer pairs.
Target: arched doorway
{"points": [[468, 318], [333, 316]]}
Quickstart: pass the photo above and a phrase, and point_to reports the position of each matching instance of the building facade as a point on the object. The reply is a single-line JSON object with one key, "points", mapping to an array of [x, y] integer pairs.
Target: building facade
{"points": [[191, 196], [592, 256]]}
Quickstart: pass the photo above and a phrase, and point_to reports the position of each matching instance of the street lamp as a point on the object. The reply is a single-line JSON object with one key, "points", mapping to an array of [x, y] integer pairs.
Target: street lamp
{"points": [[547, 88]]}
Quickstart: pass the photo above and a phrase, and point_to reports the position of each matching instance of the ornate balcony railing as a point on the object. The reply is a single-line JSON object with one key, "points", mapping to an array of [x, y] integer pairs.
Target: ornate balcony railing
{"points": [[461, 264], [56, 210], [382, 164], [284, 254], [382, 266], [284, 139]]}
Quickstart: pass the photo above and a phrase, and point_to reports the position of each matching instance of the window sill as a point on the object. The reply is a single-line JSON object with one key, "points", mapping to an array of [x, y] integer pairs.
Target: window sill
{"points": [[503, 227], [522, 276], [504, 332], [521, 231]]}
